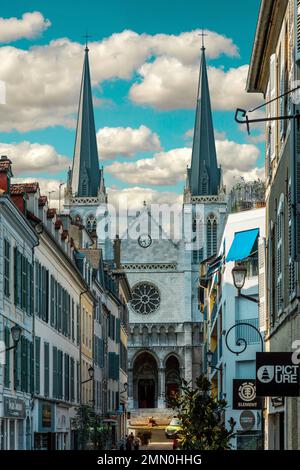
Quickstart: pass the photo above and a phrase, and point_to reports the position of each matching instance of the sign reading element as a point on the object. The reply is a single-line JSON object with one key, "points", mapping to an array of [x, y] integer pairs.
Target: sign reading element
{"points": [[277, 375], [244, 395]]}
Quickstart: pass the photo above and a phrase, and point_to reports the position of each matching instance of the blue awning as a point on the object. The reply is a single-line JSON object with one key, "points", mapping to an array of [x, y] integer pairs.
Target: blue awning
{"points": [[242, 245]]}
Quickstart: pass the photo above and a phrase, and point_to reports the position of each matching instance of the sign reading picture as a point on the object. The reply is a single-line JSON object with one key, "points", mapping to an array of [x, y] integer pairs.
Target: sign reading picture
{"points": [[244, 395], [277, 375]]}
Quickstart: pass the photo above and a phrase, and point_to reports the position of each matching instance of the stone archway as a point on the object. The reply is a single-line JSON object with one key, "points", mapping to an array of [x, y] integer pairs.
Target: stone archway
{"points": [[172, 380], [145, 381]]}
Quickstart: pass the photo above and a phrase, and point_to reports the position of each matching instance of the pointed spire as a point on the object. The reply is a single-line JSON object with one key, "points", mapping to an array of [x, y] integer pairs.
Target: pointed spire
{"points": [[204, 175], [85, 172]]}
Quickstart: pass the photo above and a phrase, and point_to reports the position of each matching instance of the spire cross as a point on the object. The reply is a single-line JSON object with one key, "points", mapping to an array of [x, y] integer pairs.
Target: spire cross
{"points": [[86, 37], [203, 36]]}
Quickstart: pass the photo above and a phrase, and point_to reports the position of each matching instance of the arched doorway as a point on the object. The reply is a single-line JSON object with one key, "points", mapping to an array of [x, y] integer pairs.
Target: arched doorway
{"points": [[145, 381], [172, 378]]}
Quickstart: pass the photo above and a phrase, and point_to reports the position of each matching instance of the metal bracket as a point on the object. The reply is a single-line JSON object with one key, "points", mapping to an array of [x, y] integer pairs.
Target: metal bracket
{"points": [[247, 121]]}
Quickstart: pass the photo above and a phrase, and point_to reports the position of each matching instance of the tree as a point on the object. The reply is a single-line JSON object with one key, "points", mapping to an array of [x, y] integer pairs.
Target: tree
{"points": [[91, 435], [202, 417]]}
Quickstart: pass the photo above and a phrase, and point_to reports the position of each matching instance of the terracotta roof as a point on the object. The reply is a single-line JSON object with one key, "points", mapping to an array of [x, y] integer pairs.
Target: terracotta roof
{"points": [[42, 201], [21, 188], [51, 213]]}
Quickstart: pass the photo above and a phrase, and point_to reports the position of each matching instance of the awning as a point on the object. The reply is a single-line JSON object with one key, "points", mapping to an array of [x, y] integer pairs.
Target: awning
{"points": [[242, 245]]}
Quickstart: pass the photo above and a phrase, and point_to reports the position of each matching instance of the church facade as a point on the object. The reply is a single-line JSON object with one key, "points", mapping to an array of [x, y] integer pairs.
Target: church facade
{"points": [[165, 323]]}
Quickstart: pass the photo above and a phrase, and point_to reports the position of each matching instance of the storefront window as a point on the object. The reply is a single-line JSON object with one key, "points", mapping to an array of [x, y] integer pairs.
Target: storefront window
{"points": [[20, 434], [12, 435]]}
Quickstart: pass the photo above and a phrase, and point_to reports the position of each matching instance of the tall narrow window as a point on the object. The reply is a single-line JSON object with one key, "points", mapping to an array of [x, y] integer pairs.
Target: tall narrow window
{"points": [[212, 236], [292, 270], [46, 369], [6, 268], [280, 256]]}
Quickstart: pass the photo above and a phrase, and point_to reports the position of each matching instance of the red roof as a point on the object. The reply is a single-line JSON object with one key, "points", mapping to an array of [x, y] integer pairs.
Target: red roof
{"points": [[21, 188]]}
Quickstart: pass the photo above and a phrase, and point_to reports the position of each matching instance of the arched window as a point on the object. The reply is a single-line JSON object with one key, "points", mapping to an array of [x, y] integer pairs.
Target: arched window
{"points": [[91, 223], [212, 235]]}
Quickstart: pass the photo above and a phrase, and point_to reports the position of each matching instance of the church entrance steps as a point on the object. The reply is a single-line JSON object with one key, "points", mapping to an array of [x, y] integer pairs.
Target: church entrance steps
{"points": [[140, 417]]}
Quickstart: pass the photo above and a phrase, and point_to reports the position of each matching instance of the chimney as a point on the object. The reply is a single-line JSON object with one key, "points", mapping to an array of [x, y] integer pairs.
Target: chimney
{"points": [[117, 251], [5, 174]]}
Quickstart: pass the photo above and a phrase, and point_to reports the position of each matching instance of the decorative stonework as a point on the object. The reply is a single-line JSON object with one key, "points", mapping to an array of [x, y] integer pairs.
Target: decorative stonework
{"points": [[149, 267], [81, 201], [145, 298]]}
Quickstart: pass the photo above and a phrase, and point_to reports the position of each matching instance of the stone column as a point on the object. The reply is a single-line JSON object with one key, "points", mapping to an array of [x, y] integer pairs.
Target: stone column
{"points": [[130, 389], [161, 388]]}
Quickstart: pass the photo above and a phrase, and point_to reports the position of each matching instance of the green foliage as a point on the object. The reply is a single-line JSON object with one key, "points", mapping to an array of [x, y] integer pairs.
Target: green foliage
{"points": [[91, 435], [202, 417]]}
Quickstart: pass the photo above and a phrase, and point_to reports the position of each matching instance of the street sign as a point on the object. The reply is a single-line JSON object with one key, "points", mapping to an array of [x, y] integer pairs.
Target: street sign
{"points": [[277, 375], [244, 395]]}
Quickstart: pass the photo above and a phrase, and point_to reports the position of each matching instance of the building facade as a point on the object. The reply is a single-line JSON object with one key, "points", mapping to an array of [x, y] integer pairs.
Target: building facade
{"points": [[274, 71], [17, 242], [225, 310]]}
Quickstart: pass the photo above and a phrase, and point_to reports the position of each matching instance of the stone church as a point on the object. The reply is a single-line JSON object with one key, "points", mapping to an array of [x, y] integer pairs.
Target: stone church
{"points": [[165, 324]]}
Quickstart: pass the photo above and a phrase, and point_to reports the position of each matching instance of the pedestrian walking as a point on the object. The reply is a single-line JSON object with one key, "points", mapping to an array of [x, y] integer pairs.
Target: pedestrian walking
{"points": [[136, 443]]}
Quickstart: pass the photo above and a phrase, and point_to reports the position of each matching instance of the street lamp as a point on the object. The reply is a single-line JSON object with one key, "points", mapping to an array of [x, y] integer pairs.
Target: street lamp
{"points": [[16, 332], [239, 273], [91, 371]]}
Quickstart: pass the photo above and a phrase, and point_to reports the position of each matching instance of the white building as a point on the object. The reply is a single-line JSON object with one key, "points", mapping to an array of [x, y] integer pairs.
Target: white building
{"points": [[243, 235], [17, 242]]}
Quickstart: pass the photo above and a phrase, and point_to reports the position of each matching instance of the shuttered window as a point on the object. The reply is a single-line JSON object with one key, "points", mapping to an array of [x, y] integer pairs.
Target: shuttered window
{"points": [[7, 358], [37, 364], [17, 277], [280, 256], [67, 377], [118, 330], [292, 269], [17, 367], [54, 373], [46, 370], [6, 268], [60, 373], [72, 377], [24, 363]]}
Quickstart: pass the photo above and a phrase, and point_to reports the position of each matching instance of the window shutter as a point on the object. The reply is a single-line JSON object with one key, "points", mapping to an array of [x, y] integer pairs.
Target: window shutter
{"points": [[17, 367], [31, 368], [67, 378], [60, 373], [37, 364], [23, 364], [54, 375], [118, 330], [273, 106], [72, 379], [59, 315], [292, 268], [7, 358], [77, 324], [262, 284], [52, 301], [280, 257], [46, 369]]}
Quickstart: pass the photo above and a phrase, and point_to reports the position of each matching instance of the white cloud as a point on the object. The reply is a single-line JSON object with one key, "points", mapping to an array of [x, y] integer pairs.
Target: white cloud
{"points": [[126, 141], [42, 83], [32, 157], [136, 196], [165, 168], [168, 168], [167, 83], [28, 27]]}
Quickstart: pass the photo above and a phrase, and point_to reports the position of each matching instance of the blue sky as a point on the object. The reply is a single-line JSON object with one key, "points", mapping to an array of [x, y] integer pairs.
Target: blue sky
{"points": [[43, 116]]}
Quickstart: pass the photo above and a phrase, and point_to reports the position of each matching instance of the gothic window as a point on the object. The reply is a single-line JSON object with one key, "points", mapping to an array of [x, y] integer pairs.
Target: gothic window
{"points": [[145, 298], [204, 184], [212, 236], [84, 187], [91, 223]]}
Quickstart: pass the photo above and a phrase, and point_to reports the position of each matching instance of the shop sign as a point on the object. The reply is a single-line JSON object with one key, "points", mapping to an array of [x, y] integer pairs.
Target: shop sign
{"points": [[277, 375], [14, 408], [244, 395]]}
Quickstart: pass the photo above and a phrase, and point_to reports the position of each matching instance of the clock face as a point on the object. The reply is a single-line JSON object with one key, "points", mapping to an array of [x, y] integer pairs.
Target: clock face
{"points": [[145, 241]]}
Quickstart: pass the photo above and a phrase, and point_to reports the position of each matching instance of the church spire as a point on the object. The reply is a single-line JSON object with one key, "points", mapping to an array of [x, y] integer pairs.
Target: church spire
{"points": [[204, 175], [85, 173]]}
